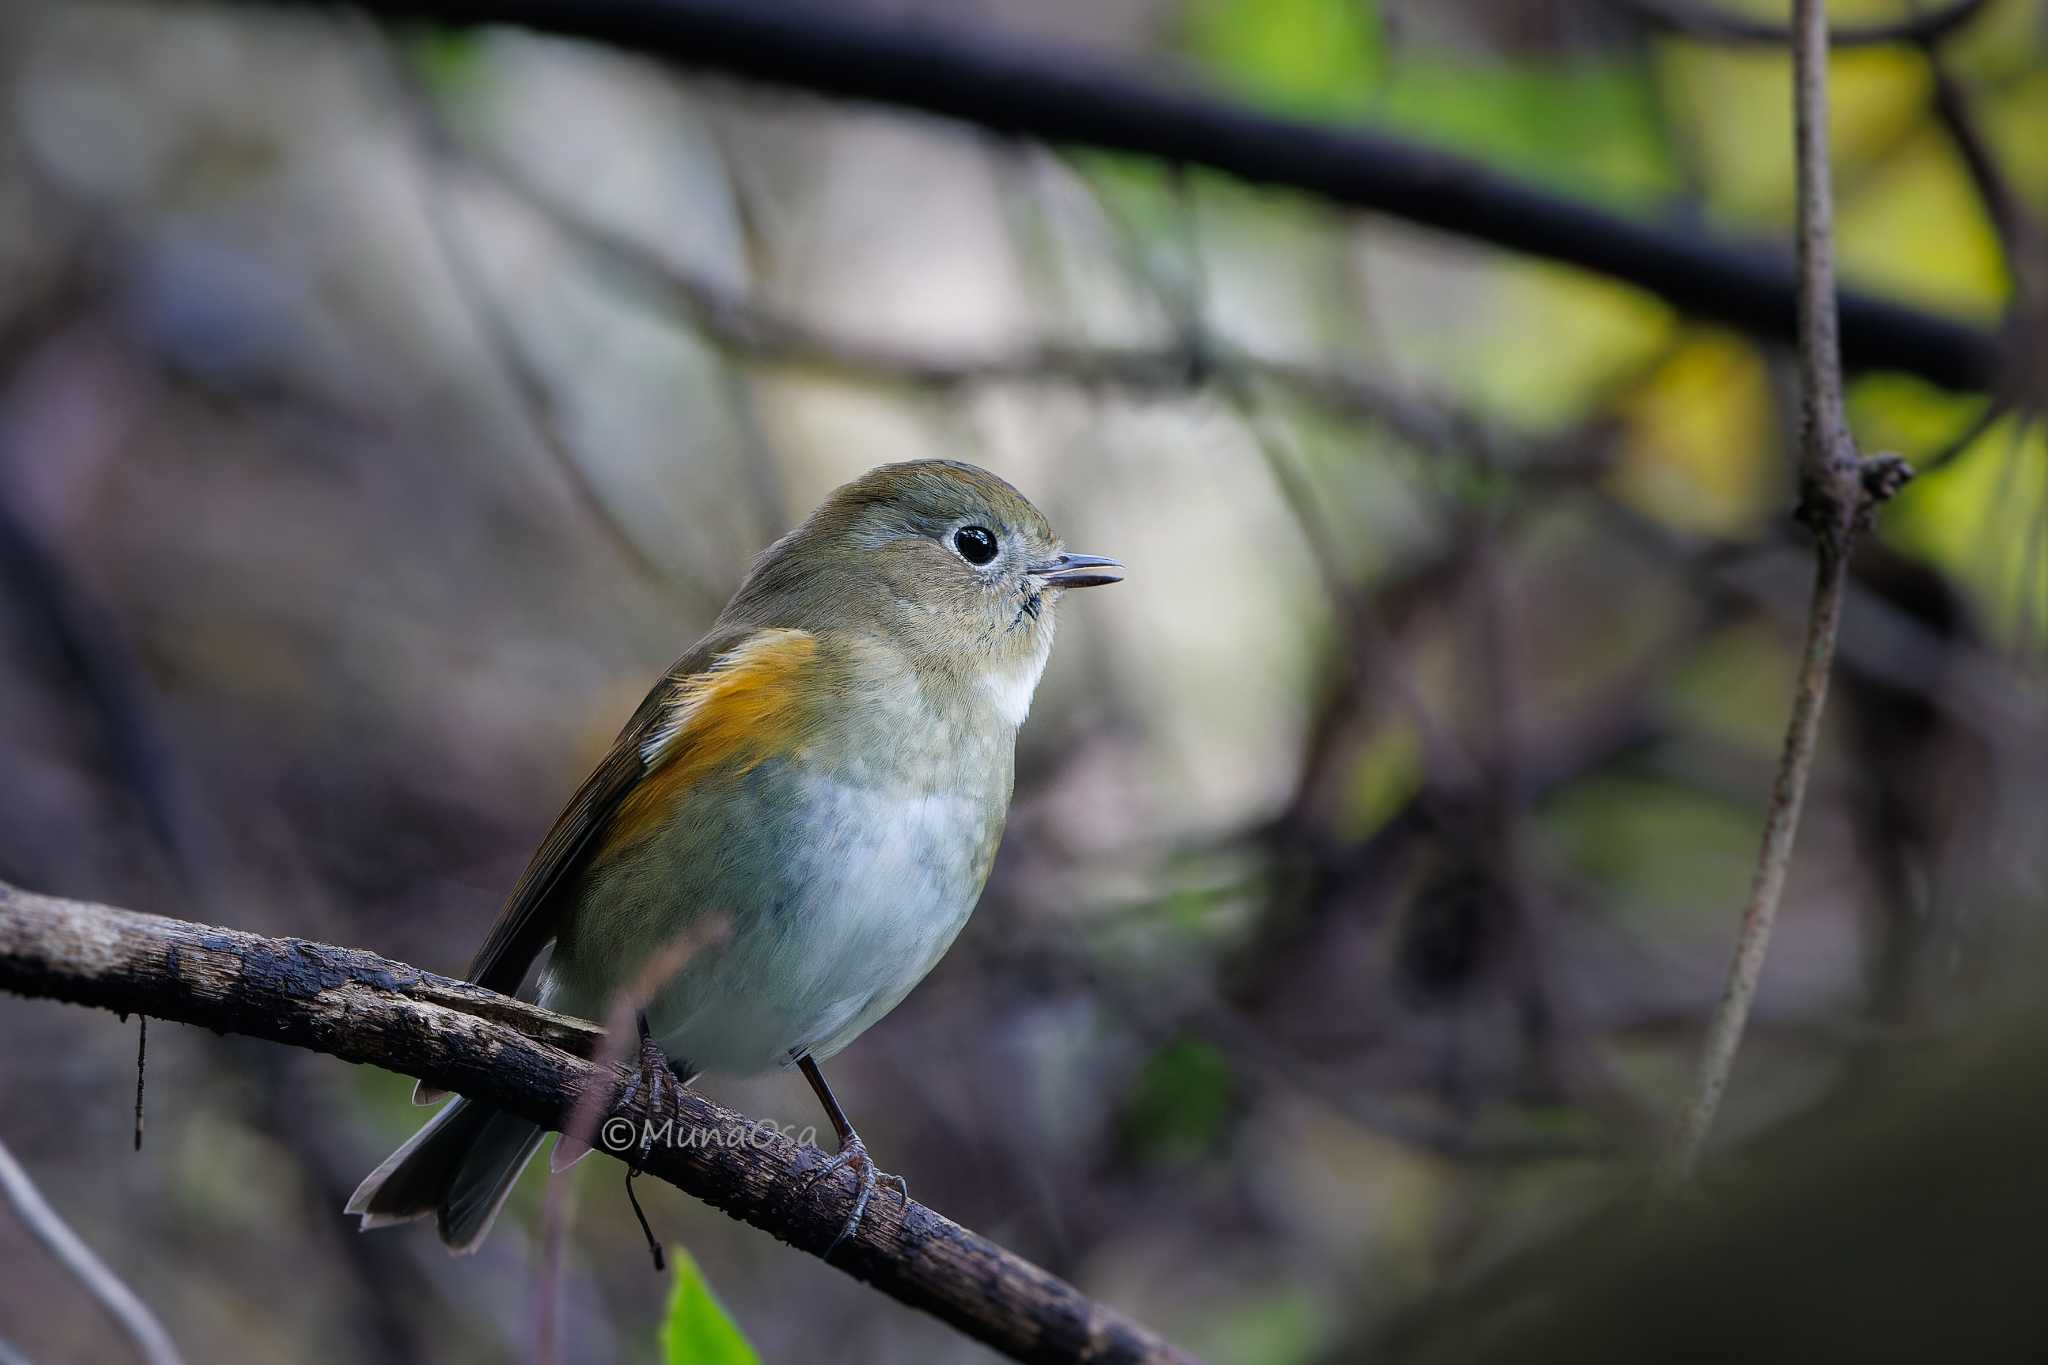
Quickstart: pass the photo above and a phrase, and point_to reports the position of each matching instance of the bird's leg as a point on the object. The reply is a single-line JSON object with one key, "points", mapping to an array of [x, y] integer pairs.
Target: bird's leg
{"points": [[852, 1152], [655, 1075]]}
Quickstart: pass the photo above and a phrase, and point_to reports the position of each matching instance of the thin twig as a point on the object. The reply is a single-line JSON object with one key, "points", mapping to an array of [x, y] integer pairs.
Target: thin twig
{"points": [[589, 1112], [141, 1064], [1370, 651], [559, 1209], [152, 1343], [1840, 490], [2007, 211], [2019, 231]]}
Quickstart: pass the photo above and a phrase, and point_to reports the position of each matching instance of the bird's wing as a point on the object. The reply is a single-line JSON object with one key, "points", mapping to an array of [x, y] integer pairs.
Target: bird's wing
{"points": [[733, 699]]}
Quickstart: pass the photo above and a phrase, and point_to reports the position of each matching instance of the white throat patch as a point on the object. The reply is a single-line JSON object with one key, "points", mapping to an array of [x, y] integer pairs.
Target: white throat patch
{"points": [[1010, 686]]}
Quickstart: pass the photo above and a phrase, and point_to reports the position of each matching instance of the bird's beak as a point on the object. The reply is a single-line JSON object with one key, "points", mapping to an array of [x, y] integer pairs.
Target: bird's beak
{"points": [[1078, 571]]}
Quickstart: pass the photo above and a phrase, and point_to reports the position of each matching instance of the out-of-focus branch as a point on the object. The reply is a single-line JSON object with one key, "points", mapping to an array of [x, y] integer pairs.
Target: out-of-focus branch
{"points": [[364, 1008], [2019, 236], [430, 151], [1952, 107], [1709, 21], [764, 335], [153, 1344], [1840, 490], [1066, 97]]}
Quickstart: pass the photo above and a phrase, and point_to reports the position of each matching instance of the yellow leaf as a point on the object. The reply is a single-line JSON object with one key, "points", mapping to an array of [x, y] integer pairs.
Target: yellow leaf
{"points": [[1702, 447]]}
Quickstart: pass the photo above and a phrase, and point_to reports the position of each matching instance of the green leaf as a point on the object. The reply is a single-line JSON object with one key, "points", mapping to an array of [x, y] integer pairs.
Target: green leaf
{"points": [[697, 1330]]}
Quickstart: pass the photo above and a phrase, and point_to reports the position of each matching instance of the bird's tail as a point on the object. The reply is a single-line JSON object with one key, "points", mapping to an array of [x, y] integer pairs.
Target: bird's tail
{"points": [[459, 1168]]}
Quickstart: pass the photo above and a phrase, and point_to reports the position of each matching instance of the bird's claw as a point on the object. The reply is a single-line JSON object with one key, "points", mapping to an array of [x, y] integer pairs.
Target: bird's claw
{"points": [[854, 1153], [653, 1075]]}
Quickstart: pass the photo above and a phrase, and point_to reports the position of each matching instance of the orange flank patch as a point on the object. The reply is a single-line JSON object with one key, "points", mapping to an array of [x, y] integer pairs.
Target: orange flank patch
{"points": [[747, 707]]}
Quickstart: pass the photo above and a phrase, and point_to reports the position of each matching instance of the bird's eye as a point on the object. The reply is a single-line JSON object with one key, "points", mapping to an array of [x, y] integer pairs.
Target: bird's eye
{"points": [[976, 544]]}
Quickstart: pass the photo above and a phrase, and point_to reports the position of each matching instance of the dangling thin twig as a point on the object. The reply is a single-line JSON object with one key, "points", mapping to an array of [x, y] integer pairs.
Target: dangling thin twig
{"points": [[141, 1060], [653, 1247]]}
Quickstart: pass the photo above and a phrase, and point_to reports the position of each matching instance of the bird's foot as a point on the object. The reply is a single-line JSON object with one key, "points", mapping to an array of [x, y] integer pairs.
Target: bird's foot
{"points": [[656, 1078], [854, 1153]]}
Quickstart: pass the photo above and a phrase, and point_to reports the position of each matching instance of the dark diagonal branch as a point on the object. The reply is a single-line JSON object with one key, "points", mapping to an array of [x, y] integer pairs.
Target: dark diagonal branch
{"points": [[1840, 491], [1066, 97], [365, 1008]]}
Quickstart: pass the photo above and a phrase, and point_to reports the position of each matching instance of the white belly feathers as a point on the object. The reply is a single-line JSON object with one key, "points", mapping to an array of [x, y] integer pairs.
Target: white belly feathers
{"points": [[834, 898]]}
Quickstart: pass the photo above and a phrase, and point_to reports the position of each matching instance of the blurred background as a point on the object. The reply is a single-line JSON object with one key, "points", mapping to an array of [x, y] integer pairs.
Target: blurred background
{"points": [[382, 409]]}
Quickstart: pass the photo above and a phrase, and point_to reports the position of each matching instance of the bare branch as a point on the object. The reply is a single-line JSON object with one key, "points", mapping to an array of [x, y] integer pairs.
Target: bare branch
{"points": [[364, 1008], [152, 1343], [1840, 491]]}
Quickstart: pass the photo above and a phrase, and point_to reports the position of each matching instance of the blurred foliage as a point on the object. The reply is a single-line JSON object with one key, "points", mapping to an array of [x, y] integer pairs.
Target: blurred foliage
{"points": [[1313, 57], [1978, 520], [1517, 115], [1179, 1103], [1386, 775], [1702, 451]]}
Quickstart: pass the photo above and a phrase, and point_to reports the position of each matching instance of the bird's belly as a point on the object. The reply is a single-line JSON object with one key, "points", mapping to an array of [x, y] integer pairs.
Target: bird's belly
{"points": [[814, 903]]}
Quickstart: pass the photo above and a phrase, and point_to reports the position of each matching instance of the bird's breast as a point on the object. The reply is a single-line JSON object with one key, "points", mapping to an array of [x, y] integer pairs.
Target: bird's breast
{"points": [[834, 876]]}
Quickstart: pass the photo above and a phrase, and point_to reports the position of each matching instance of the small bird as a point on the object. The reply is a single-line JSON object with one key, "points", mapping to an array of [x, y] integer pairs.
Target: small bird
{"points": [[827, 771]]}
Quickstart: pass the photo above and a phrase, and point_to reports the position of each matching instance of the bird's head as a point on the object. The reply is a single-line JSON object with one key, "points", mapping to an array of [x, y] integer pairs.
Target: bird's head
{"points": [[948, 562]]}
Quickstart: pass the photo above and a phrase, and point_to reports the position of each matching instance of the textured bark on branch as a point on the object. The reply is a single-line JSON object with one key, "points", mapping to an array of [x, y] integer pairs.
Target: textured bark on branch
{"points": [[1060, 96], [364, 1008]]}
